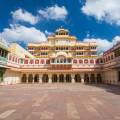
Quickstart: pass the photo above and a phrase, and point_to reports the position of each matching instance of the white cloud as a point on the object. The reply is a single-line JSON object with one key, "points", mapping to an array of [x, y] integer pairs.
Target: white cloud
{"points": [[48, 33], [116, 39], [24, 16], [18, 33], [103, 44], [107, 10], [54, 13]]}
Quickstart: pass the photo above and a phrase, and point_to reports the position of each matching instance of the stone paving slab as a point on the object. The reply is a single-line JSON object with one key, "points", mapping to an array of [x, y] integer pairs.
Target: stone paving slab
{"points": [[59, 102]]}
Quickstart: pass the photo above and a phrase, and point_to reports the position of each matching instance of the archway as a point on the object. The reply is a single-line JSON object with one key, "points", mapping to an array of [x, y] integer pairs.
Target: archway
{"points": [[36, 78], [61, 78], [54, 78], [30, 78], [77, 78], [45, 78], [86, 78], [24, 78], [99, 78], [1, 76], [68, 78], [92, 78]]}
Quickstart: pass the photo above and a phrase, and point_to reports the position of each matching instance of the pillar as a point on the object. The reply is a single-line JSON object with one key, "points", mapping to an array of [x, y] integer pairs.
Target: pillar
{"points": [[64, 78], [50, 79], [40, 78], [27, 78], [82, 78], [73, 78], [33, 78], [57, 78]]}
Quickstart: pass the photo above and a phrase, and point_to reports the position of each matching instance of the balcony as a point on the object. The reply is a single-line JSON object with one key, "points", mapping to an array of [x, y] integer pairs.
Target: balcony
{"points": [[61, 62], [3, 60]]}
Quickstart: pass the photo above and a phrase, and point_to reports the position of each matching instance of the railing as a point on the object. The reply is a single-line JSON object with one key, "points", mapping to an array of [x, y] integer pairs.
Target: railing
{"points": [[3, 60], [61, 63], [113, 63]]}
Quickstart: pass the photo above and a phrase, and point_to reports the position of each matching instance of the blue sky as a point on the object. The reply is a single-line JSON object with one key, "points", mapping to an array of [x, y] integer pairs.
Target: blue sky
{"points": [[35, 19]]}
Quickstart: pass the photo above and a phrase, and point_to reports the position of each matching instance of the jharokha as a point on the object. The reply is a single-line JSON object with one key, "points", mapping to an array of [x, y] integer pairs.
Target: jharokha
{"points": [[61, 59]]}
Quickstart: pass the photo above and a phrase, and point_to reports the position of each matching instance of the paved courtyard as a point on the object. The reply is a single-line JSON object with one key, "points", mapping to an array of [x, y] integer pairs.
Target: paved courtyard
{"points": [[59, 102]]}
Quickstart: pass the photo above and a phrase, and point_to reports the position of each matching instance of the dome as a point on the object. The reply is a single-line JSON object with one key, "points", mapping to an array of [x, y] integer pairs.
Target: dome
{"points": [[62, 31]]}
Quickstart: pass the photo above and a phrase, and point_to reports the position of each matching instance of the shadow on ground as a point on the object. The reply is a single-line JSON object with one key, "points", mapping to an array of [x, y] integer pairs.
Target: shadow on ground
{"points": [[115, 89]]}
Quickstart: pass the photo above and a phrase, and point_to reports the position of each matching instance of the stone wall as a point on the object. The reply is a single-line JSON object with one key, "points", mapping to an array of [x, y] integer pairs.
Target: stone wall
{"points": [[110, 77], [12, 77]]}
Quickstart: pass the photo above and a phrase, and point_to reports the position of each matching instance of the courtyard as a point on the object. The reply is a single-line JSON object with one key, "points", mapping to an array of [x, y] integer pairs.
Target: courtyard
{"points": [[59, 102]]}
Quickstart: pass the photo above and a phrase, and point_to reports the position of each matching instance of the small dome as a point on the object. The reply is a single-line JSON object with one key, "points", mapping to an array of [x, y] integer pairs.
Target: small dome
{"points": [[62, 31]]}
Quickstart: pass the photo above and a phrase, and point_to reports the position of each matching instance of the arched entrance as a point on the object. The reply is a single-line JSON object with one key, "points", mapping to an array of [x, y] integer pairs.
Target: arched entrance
{"points": [[45, 78], [61, 78], [92, 78], [77, 78], [30, 78], [24, 78], [86, 78], [99, 78], [1, 76], [68, 78], [54, 78], [36, 78]]}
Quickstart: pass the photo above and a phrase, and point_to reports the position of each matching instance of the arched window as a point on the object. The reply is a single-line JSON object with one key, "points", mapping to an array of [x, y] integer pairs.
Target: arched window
{"points": [[13, 58], [16, 59], [26, 61], [10, 57], [91, 61], [48, 61], [42, 61], [31, 61], [85, 61], [36, 61], [80, 61], [74, 61]]}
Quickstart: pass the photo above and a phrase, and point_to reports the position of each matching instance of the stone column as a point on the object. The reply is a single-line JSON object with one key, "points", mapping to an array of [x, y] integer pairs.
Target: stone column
{"points": [[40, 78], [73, 78], [50, 78], [27, 78], [64, 78], [82, 78], [57, 78], [33, 78]]}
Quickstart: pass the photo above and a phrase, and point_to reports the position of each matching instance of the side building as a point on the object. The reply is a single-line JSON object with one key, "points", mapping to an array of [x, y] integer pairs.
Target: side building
{"points": [[111, 66], [16, 56], [3, 59]]}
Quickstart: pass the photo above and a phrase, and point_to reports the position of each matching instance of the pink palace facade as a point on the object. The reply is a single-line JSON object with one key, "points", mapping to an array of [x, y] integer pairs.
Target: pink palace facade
{"points": [[61, 59]]}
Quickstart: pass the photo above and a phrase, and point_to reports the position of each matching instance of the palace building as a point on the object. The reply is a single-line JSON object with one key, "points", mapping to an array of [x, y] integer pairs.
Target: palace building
{"points": [[61, 59]]}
